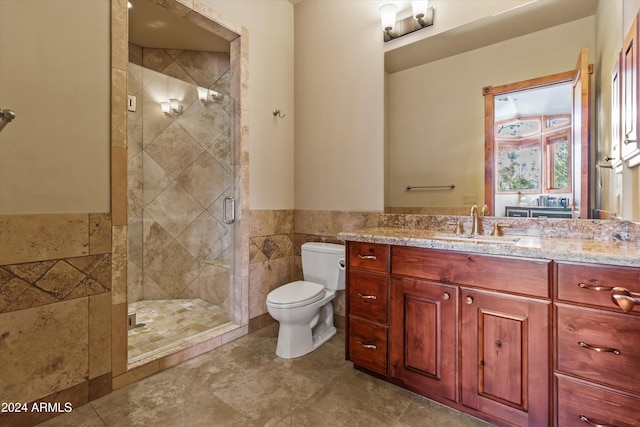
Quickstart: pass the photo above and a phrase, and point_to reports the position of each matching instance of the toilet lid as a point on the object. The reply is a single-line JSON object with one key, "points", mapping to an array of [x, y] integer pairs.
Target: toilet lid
{"points": [[296, 294]]}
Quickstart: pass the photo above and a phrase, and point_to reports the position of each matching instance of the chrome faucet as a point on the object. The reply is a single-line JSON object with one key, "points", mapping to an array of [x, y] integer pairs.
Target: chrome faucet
{"points": [[475, 217]]}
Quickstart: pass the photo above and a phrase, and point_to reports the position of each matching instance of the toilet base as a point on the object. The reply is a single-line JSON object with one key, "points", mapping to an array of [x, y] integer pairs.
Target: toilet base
{"points": [[296, 340]]}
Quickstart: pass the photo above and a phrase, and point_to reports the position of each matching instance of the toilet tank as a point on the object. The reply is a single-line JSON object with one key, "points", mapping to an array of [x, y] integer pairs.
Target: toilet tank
{"points": [[323, 263]]}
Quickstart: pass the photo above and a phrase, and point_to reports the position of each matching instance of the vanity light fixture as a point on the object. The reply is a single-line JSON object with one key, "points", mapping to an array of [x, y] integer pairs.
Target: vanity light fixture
{"points": [[388, 16], [421, 17]]}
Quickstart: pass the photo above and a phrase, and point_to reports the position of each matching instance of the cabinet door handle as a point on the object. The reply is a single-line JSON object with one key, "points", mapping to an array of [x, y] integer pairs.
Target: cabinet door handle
{"points": [[594, 287], [599, 349], [367, 256], [372, 297], [368, 346], [446, 296], [585, 419], [625, 299], [469, 300]]}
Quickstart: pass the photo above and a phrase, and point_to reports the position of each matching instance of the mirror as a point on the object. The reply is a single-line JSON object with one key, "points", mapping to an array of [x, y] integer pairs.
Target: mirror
{"points": [[434, 130], [537, 145]]}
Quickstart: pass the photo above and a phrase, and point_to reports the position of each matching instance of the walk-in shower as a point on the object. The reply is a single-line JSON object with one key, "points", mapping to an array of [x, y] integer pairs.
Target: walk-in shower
{"points": [[180, 197]]}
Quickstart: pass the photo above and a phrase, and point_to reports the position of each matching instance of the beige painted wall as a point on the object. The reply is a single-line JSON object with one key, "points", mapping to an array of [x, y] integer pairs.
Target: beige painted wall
{"points": [[59, 161], [339, 106], [271, 41], [436, 111], [54, 73]]}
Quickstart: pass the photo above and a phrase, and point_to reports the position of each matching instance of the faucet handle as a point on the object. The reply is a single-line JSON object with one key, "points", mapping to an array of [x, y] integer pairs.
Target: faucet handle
{"points": [[484, 210], [497, 229], [459, 229]]}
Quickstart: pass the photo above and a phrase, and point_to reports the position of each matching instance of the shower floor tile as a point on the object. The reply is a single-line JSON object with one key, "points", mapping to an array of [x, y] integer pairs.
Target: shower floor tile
{"points": [[162, 324]]}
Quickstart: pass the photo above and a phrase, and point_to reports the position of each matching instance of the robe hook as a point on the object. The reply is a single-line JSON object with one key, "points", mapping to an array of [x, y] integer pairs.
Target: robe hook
{"points": [[277, 113]]}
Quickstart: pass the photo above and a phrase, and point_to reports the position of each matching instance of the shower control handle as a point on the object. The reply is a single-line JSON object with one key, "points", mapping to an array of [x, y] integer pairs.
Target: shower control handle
{"points": [[225, 213]]}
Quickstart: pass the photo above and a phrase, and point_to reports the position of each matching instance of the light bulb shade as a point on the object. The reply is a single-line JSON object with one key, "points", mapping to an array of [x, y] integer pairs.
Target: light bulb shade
{"points": [[203, 93], [419, 8], [175, 105], [388, 16], [166, 107]]}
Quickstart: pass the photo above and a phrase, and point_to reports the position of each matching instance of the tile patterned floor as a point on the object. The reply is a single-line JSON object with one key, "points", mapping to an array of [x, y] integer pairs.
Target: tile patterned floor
{"points": [[167, 323], [244, 384]]}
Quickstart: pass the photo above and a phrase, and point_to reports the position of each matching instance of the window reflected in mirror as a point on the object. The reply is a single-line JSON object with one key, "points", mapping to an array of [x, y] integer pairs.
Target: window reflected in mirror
{"points": [[518, 165], [533, 153]]}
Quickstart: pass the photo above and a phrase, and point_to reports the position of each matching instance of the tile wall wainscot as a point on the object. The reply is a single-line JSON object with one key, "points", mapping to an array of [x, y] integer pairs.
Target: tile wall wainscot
{"points": [[55, 311], [271, 259], [324, 226], [275, 240]]}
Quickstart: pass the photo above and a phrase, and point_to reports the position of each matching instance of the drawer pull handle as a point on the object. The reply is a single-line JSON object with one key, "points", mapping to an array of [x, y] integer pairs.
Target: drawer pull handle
{"points": [[372, 297], [585, 419], [469, 300], [595, 288], [625, 299], [368, 346], [367, 256], [599, 349]]}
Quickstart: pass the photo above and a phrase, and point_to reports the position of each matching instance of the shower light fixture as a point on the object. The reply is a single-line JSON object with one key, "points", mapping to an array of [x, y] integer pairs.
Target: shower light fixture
{"points": [[166, 108], [422, 16], [173, 106], [206, 95]]}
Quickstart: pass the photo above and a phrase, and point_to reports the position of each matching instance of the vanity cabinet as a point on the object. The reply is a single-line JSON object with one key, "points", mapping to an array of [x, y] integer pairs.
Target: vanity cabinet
{"points": [[504, 337], [367, 307], [597, 345], [512, 340], [467, 330], [505, 356], [423, 336]]}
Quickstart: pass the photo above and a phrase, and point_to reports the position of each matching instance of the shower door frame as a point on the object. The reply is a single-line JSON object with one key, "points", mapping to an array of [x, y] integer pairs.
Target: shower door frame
{"points": [[207, 18]]}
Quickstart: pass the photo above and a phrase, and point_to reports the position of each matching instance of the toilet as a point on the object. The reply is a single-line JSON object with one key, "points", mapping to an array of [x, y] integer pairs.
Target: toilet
{"points": [[304, 307]]}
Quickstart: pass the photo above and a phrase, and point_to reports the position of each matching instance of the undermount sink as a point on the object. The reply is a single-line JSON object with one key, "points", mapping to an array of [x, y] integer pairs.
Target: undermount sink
{"points": [[502, 240]]}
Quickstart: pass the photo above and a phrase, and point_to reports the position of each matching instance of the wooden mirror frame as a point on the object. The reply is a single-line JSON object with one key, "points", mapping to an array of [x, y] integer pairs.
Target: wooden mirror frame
{"points": [[580, 78]]}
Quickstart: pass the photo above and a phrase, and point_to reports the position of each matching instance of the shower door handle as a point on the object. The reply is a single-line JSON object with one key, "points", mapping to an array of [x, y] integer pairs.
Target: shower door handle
{"points": [[225, 216]]}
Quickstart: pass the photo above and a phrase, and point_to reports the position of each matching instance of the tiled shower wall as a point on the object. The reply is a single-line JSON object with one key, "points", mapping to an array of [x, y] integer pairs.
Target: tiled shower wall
{"points": [[180, 171]]}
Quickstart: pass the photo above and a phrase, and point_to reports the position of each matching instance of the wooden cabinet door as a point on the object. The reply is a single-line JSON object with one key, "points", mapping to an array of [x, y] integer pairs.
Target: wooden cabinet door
{"points": [[505, 356], [423, 336]]}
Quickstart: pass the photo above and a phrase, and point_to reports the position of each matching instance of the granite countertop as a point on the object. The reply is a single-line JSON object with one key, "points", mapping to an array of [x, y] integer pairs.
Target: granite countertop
{"points": [[614, 252]]}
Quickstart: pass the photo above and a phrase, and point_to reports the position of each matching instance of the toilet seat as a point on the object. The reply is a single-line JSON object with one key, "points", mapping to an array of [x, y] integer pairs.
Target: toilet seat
{"points": [[295, 294]]}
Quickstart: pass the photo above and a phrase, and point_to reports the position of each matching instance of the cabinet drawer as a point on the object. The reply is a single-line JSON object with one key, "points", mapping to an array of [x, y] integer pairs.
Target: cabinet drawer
{"points": [[369, 256], [592, 284], [523, 276], [368, 344], [368, 296], [599, 346], [580, 403]]}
